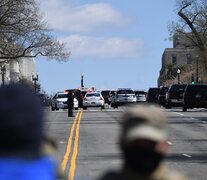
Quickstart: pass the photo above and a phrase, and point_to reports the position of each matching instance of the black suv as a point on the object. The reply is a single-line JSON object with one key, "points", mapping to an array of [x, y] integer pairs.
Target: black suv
{"points": [[174, 97], [195, 96], [152, 95]]}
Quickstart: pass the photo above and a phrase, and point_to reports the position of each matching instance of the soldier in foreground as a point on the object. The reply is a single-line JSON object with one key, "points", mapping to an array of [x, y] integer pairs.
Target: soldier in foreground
{"points": [[144, 144], [25, 153]]}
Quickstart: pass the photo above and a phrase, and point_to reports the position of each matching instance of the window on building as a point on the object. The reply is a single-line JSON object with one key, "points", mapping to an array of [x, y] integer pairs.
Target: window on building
{"points": [[189, 58], [176, 41], [174, 59]]}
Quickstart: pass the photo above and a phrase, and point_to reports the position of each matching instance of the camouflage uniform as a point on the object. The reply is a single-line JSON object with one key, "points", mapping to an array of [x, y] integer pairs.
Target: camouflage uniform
{"points": [[162, 173], [148, 123]]}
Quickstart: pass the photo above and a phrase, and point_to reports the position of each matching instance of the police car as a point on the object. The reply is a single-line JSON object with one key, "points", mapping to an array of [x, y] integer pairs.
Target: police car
{"points": [[59, 101]]}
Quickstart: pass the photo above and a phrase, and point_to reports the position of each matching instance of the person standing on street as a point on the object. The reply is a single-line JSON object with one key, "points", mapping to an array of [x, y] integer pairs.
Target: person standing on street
{"points": [[70, 103], [144, 144]]}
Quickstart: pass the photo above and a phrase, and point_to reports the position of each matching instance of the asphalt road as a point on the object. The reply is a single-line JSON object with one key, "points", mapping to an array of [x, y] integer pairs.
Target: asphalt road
{"points": [[88, 142]]}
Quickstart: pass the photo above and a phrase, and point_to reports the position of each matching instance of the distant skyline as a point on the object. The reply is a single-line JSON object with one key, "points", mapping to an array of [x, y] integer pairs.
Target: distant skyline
{"points": [[114, 44]]}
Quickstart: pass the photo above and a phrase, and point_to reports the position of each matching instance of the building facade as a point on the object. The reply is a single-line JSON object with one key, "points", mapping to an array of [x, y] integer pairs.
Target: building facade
{"points": [[183, 56], [16, 70]]}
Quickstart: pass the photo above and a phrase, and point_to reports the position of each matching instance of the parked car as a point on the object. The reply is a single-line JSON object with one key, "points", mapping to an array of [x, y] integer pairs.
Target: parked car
{"points": [[75, 103], [152, 95], [161, 99], [93, 99], [123, 96], [105, 94], [195, 96], [59, 101], [174, 96], [140, 96]]}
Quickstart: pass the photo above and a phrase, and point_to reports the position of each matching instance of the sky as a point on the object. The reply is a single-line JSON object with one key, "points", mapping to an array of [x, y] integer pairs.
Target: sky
{"points": [[113, 43]]}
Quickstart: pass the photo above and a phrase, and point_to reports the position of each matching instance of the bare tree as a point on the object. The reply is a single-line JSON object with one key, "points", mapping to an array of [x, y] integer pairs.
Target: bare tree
{"points": [[192, 24], [23, 33]]}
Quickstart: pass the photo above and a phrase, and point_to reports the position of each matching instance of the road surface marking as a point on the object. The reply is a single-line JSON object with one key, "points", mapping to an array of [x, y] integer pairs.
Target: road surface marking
{"points": [[186, 155], [75, 150], [179, 113], [67, 153]]}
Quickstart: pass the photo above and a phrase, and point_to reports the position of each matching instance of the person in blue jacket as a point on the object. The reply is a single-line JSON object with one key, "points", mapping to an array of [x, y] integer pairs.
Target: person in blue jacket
{"points": [[22, 136]]}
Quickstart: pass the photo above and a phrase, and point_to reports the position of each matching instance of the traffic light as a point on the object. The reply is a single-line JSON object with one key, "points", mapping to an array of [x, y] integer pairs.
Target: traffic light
{"points": [[192, 79]]}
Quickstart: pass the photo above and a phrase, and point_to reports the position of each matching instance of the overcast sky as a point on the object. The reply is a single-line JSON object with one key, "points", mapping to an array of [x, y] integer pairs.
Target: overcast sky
{"points": [[115, 44]]}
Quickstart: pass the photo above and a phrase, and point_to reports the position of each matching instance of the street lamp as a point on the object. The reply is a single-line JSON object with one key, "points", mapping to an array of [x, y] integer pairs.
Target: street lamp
{"points": [[178, 72], [35, 79], [3, 72], [82, 76]]}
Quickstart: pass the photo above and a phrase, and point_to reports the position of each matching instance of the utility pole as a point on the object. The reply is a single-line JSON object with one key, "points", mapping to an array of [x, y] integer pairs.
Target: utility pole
{"points": [[178, 72], [82, 76]]}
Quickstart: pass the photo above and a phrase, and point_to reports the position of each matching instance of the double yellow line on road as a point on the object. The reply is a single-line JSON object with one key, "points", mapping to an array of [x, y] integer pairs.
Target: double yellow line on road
{"points": [[76, 124]]}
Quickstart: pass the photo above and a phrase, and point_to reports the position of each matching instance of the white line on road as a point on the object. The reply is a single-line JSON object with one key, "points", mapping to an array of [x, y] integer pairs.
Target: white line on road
{"points": [[186, 155], [179, 113]]}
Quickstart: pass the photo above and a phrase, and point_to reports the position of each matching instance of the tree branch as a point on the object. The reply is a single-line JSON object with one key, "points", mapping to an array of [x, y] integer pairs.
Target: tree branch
{"points": [[190, 24]]}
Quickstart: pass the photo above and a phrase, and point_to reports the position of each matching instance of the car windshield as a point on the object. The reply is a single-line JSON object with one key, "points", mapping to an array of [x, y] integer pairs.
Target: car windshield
{"points": [[178, 88], [140, 92], [93, 95], [59, 96], [125, 92], [163, 90]]}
